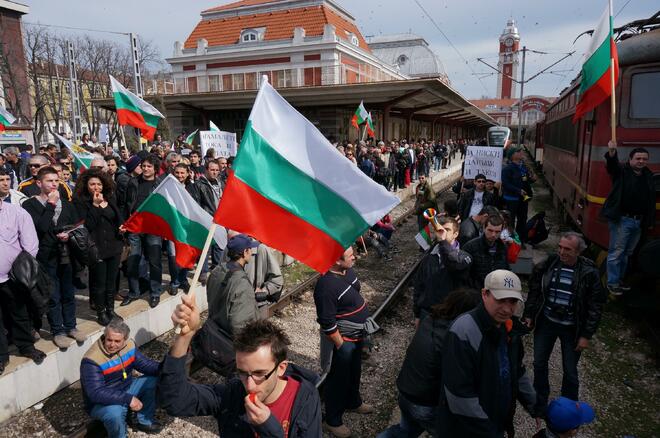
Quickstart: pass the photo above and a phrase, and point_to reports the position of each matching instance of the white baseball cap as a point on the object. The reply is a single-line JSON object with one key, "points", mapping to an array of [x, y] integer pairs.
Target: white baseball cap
{"points": [[503, 284]]}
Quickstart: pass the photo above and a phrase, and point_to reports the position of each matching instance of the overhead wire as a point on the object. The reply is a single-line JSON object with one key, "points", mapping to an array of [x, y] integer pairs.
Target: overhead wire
{"points": [[75, 28], [449, 41]]}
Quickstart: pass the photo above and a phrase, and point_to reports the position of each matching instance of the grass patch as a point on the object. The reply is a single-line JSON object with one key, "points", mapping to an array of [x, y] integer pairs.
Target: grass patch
{"points": [[296, 273]]}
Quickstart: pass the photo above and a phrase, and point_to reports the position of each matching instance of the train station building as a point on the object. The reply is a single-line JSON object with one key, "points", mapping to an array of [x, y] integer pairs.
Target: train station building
{"points": [[313, 52]]}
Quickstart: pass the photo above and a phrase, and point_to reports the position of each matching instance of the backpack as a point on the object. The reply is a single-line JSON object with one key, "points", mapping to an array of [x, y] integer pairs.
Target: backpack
{"points": [[214, 348], [537, 231]]}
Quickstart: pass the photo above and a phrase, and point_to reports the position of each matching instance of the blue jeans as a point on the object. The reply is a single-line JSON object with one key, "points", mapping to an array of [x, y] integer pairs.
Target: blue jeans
{"points": [[415, 419], [216, 258], [114, 416], [62, 302], [624, 236], [545, 336], [342, 386], [149, 246]]}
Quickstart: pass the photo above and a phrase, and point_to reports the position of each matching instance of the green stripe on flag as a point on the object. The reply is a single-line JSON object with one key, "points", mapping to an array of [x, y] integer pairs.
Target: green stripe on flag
{"points": [[4, 121], [262, 168], [123, 101], [596, 66], [184, 230]]}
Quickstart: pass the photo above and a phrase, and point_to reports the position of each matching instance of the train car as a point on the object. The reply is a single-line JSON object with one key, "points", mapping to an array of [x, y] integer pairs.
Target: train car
{"points": [[533, 141], [573, 158], [499, 136]]}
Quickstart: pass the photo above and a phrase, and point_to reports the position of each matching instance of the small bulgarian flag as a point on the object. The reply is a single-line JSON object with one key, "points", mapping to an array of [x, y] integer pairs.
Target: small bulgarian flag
{"points": [[596, 83], [213, 126], [135, 112], [6, 119], [424, 238], [360, 116], [370, 126], [170, 212], [191, 137], [82, 158]]}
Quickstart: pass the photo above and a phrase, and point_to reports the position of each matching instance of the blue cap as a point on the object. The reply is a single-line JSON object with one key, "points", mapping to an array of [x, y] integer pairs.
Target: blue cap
{"points": [[565, 414], [240, 243]]}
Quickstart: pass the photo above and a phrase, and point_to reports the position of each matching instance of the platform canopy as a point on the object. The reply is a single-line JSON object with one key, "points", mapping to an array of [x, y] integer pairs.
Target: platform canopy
{"points": [[426, 99]]}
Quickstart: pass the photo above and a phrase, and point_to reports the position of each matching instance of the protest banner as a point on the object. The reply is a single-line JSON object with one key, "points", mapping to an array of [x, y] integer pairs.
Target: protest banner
{"points": [[224, 143], [483, 159]]}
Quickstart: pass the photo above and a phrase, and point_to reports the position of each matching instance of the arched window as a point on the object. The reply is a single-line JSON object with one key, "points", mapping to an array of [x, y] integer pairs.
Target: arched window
{"points": [[249, 36], [401, 60], [354, 40]]}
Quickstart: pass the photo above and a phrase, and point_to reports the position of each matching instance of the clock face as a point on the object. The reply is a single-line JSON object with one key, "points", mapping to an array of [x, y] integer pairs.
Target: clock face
{"points": [[508, 42]]}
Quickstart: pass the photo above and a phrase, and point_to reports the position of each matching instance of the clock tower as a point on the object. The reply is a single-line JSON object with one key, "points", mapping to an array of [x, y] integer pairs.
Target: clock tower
{"points": [[508, 62]]}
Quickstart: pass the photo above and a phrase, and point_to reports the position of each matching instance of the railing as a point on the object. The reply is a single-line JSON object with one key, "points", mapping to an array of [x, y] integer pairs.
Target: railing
{"points": [[304, 76]]}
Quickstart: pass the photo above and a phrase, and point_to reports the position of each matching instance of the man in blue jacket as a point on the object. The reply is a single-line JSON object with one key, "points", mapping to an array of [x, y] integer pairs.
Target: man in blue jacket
{"points": [[109, 388], [517, 182], [269, 397]]}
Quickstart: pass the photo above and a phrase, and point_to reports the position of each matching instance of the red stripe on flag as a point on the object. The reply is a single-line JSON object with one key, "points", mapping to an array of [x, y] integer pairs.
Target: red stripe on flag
{"points": [[245, 210], [131, 118], [354, 122], [2, 127], [149, 223]]}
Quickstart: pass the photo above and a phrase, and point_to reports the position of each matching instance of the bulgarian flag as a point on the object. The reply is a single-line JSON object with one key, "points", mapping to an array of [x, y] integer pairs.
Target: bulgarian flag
{"points": [[135, 112], [424, 238], [6, 119], [81, 156], [191, 137], [291, 190], [212, 126], [370, 126], [360, 116], [596, 83], [170, 212]]}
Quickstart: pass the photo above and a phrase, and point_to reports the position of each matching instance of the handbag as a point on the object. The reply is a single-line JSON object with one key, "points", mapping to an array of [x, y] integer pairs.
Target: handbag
{"points": [[214, 348], [82, 246]]}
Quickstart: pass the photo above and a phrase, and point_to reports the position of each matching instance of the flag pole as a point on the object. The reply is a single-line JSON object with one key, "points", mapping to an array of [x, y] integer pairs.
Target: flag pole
{"points": [[364, 133], [613, 95], [200, 265]]}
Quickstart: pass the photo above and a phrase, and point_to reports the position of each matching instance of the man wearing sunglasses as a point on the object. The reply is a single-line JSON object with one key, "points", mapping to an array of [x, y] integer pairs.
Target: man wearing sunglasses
{"points": [[30, 188], [269, 396]]}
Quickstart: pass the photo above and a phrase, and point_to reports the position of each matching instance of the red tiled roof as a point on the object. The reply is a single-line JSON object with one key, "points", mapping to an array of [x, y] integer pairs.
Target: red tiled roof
{"points": [[279, 25], [239, 4]]}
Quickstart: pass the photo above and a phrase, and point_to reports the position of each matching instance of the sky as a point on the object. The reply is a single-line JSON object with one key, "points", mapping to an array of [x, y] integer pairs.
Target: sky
{"points": [[472, 26]]}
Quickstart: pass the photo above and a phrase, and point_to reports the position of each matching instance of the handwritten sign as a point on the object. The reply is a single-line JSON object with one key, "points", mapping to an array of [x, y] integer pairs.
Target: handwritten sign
{"points": [[224, 143], [486, 160]]}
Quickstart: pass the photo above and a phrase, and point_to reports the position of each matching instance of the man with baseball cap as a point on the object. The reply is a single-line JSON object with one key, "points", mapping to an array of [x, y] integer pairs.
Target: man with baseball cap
{"points": [[564, 418], [231, 299], [482, 368]]}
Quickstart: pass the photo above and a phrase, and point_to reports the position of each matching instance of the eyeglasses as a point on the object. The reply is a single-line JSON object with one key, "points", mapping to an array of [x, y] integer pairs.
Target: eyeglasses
{"points": [[258, 377], [349, 155], [34, 165]]}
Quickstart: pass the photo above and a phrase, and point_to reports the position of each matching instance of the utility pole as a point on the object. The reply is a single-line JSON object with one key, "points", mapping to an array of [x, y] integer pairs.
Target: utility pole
{"points": [[520, 103], [137, 76], [76, 127]]}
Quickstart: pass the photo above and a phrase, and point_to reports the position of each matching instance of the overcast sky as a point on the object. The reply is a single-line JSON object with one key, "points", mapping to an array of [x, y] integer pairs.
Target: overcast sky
{"points": [[473, 26]]}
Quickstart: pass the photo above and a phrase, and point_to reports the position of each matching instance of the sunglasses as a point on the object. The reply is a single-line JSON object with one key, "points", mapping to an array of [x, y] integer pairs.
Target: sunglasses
{"points": [[34, 165]]}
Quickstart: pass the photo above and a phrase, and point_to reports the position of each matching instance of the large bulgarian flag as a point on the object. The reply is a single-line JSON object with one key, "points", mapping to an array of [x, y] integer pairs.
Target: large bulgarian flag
{"points": [[291, 190], [81, 156], [370, 126], [596, 83], [135, 112], [361, 115], [6, 119], [170, 212]]}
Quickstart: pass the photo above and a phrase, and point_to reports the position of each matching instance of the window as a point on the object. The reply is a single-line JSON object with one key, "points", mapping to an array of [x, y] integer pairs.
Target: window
{"points": [[645, 95], [239, 83], [402, 59], [354, 39], [562, 134], [252, 35], [251, 81], [227, 83], [249, 36], [214, 83]]}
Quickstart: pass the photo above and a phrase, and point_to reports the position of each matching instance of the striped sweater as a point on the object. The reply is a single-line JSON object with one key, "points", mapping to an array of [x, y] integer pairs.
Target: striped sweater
{"points": [[106, 377]]}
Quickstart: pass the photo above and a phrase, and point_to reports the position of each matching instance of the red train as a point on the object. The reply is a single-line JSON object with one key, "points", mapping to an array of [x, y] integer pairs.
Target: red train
{"points": [[573, 154]]}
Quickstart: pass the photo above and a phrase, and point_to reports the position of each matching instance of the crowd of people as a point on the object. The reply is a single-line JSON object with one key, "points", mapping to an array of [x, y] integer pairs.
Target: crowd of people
{"points": [[463, 372]]}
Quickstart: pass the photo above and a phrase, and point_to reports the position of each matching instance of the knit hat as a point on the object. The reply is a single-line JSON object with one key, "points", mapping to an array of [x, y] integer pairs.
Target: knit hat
{"points": [[132, 163]]}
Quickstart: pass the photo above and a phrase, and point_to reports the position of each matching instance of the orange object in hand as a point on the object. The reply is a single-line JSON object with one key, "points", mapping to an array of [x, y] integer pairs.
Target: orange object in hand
{"points": [[252, 397]]}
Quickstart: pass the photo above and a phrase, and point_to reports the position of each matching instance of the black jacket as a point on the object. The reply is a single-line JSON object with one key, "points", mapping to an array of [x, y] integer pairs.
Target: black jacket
{"points": [[121, 184], [104, 232], [620, 175], [465, 203], [130, 204], [472, 402], [469, 230], [483, 263], [206, 195], [42, 216], [590, 293], [420, 377], [438, 274], [225, 402]]}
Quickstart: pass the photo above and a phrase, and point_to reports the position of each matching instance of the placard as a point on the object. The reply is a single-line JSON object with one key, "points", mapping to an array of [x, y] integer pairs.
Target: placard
{"points": [[224, 143], [486, 160]]}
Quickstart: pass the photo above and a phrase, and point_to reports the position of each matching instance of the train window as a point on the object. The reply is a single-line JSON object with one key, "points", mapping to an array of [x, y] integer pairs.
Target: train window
{"points": [[562, 134], [645, 95]]}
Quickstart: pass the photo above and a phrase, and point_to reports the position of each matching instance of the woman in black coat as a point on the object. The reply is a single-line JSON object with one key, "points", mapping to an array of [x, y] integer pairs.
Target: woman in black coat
{"points": [[96, 205]]}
